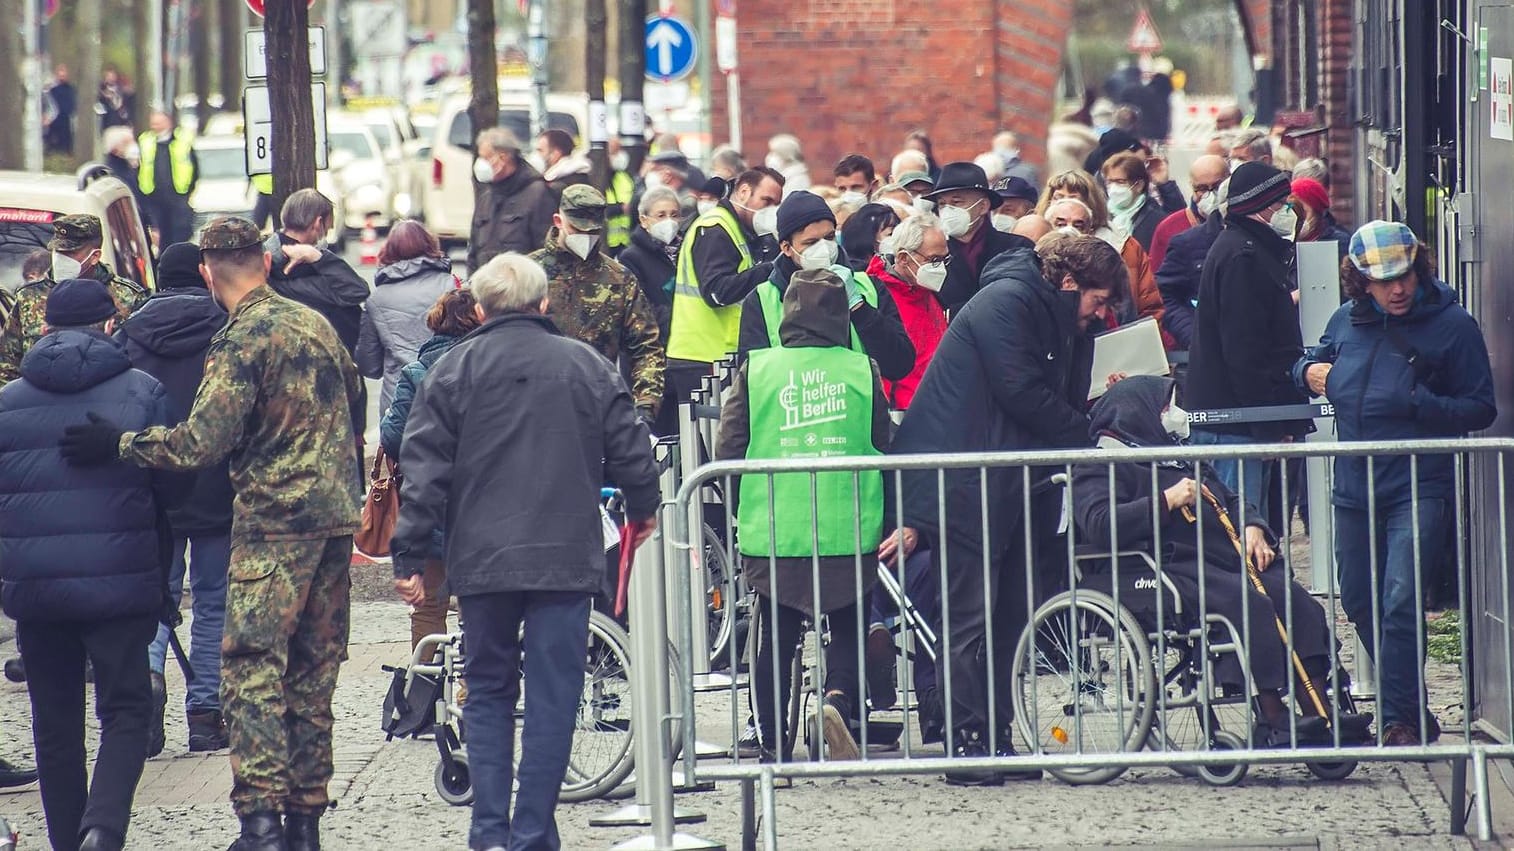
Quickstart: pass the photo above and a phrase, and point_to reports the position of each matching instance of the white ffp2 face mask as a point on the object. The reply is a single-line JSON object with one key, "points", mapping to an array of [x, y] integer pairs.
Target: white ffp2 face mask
{"points": [[1121, 197], [931, 276], [1004, 223], [581, 244], [1175, 419], [705, 206], [765, 221], [664, 231], [482, 171], [1284, 222], [1208, 204], [955, 221], [854, 198], [821, 255], [65, 267]]}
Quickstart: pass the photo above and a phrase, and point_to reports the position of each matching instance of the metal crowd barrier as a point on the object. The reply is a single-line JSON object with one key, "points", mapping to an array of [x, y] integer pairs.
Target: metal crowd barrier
{"points": [[1094, 729]]}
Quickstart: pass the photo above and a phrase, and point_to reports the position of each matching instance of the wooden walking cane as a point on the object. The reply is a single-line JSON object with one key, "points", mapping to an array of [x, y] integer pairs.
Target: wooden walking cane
{"points": [[1256, 582]]}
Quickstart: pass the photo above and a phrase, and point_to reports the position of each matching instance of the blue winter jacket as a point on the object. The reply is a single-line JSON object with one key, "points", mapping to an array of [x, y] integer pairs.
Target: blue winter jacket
{"points": [[1379, 395], [392, 425], [1178, 277], [79, 543]]}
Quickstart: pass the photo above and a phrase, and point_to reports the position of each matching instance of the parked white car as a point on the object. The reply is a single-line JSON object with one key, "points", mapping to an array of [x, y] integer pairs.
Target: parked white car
{"points": [[29, 203], [224, 190]]}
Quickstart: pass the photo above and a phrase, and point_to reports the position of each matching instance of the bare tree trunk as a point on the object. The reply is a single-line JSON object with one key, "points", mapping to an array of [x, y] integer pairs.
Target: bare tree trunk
{"points": [[143, 27], [594, 83], [201, 19], [87, 55], [483, 106], [293, 114], [633, 69], [12, 98], [230, 23]]}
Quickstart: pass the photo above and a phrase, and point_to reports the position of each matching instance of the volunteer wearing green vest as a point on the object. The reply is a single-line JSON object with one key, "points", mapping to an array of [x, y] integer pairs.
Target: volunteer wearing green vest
{"points": [[718, 266], [167, 176], [618, 225], [813, 396], [807, 240]]}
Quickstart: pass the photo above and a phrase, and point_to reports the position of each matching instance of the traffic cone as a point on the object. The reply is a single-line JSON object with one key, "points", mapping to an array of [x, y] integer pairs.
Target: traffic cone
{"points": [[370, 248]]}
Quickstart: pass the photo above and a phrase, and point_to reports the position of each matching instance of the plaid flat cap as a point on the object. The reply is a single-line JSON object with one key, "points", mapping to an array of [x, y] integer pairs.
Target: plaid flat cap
{"points": [[1382, 250]]}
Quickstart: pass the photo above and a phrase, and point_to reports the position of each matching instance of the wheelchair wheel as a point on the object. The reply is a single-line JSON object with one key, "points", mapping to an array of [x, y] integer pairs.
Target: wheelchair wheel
{"points": [[1083, 682], [1224, 775], [1331, 770], [455, 785], [720, 597]]}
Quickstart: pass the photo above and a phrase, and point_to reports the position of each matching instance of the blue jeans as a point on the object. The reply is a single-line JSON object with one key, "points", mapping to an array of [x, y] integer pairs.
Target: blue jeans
{"points": [[209, 556], [1258, 472], [557, 630], [1395, 643]]}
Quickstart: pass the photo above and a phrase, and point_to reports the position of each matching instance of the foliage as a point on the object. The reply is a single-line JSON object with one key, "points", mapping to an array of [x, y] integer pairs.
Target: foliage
{"points": [[1443, 638]]}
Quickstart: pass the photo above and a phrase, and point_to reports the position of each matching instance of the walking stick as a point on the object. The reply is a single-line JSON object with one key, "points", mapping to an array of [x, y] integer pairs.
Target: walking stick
{"points": [[1256, 582]]}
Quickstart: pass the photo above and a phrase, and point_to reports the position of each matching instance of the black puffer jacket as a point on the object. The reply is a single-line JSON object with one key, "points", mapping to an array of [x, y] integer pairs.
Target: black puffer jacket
{"points": [[79, 543], [648, 260], [1011, 373], [167, 338], [328, 286]]}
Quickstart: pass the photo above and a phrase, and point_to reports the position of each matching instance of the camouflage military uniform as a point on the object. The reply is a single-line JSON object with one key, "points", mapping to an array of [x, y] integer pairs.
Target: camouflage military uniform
{"points": [[23, 325], [276, 399], [599, 301]]}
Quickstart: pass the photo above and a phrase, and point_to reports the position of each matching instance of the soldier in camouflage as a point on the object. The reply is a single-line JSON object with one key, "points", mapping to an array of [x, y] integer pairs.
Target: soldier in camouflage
{"points": [[276, 399], [76, 245], [594, 299]]}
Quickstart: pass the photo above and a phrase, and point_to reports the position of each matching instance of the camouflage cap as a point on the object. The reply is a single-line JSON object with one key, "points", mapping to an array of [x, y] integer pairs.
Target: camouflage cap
{"points": [[584, 208], [229, 233], [71, 233]]}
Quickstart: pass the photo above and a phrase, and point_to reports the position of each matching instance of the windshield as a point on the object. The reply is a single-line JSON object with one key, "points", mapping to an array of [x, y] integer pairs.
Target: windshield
{"points": [[383, 131], [21, 233], [354, 143], [222, 163]]}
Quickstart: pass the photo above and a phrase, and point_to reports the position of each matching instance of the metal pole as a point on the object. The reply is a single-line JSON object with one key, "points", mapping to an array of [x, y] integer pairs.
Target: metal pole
{"points": [[536, 51], [650, 706], [733, 106], [31, 66], [152, 87]]}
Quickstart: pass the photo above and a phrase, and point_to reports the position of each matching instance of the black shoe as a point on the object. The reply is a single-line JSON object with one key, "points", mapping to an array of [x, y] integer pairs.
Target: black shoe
{"points": [[1006, 747], [967, 745], [1312, 730], [12, 776], [747, 745], [15, 670], [207, 731], [100, 839], [302, 831], [261, 832], [931, 718], [881, 668], [156, 739], [1355, 727]]}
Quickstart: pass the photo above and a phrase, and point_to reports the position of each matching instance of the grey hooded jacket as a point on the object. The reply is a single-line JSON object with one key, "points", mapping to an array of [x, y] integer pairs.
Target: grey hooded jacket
{"points": [[394, 321]]}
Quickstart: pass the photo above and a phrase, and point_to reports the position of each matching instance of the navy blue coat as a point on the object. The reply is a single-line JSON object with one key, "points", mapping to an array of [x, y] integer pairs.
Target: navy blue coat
{"points": [[78, 543], [1378, 395], [167, 338], [1178, 278]]}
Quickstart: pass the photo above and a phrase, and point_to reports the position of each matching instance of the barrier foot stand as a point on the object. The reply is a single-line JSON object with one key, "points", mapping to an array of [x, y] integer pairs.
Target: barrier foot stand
{"points": [[1458, 797], [682, 785], [716, 681], [640, 815], [706, 750], [677, 842]]}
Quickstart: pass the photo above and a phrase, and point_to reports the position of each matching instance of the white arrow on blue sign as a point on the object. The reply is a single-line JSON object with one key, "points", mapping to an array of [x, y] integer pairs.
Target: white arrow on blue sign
{"points": [[671, 50]]}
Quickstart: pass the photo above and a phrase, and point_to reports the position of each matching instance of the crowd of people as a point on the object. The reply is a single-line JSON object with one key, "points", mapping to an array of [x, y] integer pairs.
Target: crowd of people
{"points": [[212, 431]]}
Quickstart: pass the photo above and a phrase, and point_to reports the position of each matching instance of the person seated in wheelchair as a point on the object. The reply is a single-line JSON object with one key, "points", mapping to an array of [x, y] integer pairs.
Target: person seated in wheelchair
{"points": [[812, 396], [1237, 582]]}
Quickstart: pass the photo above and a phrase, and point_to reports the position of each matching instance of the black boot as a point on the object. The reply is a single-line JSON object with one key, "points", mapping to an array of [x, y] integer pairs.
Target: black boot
{"points": [[260, 832], [100, 839], [302, 831], [966, 744], [156, 739], [207, 730], [15, 670], [14, 775]]}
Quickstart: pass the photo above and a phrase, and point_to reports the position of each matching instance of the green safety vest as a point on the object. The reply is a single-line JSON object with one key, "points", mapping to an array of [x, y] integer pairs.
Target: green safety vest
{"points": [[263, 183], [772, 307], [702, 333], [810, 403], [182, 167], [618, 195]]}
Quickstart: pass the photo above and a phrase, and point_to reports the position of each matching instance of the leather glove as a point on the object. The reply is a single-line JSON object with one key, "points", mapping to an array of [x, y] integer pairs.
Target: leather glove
{"points": [[93, 444]]}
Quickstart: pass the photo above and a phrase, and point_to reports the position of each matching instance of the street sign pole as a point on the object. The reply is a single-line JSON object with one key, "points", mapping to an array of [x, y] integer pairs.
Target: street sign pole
{"points": [[536, 54], [725, 57]]}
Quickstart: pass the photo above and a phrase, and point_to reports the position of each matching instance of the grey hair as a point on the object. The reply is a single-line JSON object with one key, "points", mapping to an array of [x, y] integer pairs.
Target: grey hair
{"points": [[1253, 139], [115, 138], [302, 208], [786, 145], [909, 234], [499, 139], [650, 198], [904, 157], [1313, 168], [1059, 202], [510, 283], [728, 158]]}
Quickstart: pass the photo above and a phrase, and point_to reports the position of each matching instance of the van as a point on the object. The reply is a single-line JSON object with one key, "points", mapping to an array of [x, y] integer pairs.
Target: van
{"points": [[449, 196], [29, 203]]}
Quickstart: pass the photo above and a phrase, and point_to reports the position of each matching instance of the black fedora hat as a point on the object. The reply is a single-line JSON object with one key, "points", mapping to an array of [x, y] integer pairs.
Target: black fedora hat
{"points": [[965, 176]]}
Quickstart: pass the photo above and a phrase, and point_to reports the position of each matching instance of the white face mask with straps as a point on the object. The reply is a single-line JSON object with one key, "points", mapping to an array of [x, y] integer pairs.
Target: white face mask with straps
{"points": [[1175, 419]]}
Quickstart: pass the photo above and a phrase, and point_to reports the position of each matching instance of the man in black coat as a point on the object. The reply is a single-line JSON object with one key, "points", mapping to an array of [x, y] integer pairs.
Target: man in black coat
{"points": [[82, 557], [167, 338], [1012, 373], [534, 406], [965, 202], [514, 210], [1247, 336], [806, 235]]}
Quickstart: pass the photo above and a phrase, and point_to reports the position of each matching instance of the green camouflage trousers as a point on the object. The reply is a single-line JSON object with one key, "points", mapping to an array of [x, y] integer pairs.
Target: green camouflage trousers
{"points": [[286, 634]]}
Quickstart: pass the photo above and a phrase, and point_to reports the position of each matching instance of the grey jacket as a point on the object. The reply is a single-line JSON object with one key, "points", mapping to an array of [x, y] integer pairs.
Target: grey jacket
{"points": [[510, 438], [394, 321]]}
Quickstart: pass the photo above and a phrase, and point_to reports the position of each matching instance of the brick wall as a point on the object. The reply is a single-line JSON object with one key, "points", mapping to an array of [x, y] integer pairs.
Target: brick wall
{"points": [[857, 75], [1337, 26]]}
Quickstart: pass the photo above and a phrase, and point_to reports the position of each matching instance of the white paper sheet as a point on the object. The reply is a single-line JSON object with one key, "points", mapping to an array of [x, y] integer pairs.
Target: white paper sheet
{"points": [[1134, 349]]}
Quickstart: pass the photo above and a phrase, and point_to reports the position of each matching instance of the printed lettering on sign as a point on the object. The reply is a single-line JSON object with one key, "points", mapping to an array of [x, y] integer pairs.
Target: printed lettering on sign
{"points": [[808, 400]]}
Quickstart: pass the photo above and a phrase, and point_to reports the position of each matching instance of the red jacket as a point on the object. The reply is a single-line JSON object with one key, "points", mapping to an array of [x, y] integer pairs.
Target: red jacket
{"points": [[1170, 227], [924, 322]]}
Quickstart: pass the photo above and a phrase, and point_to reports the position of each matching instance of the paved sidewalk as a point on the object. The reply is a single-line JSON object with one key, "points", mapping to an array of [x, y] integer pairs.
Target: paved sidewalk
{"points": [[386, 798]]}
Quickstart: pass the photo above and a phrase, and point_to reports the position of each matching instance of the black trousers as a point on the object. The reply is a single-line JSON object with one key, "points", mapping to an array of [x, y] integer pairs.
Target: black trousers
{"points": [[173, 218], [54, 653], [777, 646]]}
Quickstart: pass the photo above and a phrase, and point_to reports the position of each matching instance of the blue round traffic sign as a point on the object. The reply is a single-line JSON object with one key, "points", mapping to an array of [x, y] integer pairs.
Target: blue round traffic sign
{"points": [[671, 50]]}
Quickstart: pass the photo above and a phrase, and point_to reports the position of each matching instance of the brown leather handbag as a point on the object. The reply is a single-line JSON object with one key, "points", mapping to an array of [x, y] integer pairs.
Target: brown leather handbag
{"points": [[381, 508]]}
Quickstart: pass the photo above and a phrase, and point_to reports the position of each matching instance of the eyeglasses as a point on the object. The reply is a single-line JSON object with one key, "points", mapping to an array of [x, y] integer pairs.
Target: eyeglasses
{"points": [[1205, 187], [944, 259]]}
